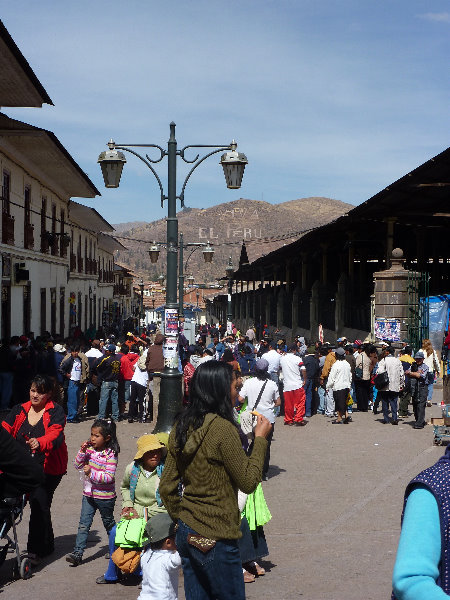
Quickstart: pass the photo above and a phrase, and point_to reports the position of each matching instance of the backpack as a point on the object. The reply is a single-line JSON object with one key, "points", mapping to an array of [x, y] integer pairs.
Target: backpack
{"points": [[141, 362]]}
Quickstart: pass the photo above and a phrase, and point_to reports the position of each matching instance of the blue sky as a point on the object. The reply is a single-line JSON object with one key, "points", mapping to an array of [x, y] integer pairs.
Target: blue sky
{"points": [[325, 98]]}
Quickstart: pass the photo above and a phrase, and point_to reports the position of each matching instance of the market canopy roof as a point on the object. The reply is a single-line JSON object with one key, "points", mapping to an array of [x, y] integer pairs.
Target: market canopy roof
{"points": [[419, 199]]}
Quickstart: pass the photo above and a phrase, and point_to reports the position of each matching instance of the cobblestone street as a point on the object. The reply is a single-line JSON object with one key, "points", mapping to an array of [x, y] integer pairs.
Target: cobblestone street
{"points": [[335, 494]]}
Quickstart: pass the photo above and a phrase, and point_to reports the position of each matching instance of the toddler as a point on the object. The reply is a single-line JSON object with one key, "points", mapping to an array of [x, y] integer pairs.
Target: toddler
{"points": [[160, 562]]}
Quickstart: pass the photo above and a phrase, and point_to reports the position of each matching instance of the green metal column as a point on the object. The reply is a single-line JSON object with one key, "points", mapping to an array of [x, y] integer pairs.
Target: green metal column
{"points": [[180, 278], [170, 392]]}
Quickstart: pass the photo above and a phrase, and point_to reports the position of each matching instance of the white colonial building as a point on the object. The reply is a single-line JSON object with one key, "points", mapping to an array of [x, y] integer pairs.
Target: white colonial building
{"points": [[56, 257]]}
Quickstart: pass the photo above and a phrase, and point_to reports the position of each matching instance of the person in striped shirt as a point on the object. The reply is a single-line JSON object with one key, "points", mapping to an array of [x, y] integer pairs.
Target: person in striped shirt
{"points": [[97, 462]]}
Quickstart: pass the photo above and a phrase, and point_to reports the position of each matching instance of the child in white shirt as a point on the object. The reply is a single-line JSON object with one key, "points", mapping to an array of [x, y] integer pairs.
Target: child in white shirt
{"points": [[160, 562]]}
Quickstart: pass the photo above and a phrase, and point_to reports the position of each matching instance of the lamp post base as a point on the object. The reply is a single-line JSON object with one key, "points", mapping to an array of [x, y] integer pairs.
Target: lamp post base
{"points": [[170, 396]]}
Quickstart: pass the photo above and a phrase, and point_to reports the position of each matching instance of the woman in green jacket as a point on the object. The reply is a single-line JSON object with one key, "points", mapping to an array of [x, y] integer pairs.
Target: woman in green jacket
{"points": [[206, 455]]}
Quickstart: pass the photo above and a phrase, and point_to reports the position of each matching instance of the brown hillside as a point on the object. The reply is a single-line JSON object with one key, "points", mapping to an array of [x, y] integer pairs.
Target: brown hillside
{"points": [[263, 226]]}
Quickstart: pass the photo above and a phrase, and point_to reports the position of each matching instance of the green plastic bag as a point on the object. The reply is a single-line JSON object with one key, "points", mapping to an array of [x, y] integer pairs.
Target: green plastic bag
{"points": [[130, 533], [256, 510]]}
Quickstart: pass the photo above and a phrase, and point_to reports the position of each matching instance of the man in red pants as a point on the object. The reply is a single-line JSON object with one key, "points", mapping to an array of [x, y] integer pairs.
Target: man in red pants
{"points": [[294, 379]]}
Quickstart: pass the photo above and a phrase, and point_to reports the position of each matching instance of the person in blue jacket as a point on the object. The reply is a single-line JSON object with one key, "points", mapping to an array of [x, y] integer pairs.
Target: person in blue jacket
{"points": [[217, 347], [422, 566]]}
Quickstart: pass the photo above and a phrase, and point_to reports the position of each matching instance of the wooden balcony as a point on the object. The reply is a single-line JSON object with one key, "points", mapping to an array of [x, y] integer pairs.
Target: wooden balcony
{"points": [[44, 242], [105, 276], [7, 229], [121, 290], [91, 266], [28, 236], [54, 245]]}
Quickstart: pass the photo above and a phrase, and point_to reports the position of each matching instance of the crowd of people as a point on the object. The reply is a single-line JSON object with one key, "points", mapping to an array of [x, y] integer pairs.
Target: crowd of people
{"points": [[334, 380], [235, 387], [97, 377]]}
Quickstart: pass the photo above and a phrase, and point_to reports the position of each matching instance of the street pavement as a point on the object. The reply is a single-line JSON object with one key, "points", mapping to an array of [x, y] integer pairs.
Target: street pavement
{"points": [[335, 494]]}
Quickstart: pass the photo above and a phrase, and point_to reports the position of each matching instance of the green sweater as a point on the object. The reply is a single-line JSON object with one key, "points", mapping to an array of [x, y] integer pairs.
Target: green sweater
{"points": [[213, 466], [144, 495]]}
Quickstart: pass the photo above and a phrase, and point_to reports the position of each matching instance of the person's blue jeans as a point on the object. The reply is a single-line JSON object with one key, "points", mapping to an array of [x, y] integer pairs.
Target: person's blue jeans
{"points": [[126, 393], [274, 377], [214, 574], [430, 392], [389, 399], [6, 386], [308, 392], [73, 400], [321, 407], [89, 507], [112, 572], [107, 391]]}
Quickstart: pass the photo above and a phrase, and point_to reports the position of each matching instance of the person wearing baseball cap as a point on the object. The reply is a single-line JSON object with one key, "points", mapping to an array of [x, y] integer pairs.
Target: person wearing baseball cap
{"points": [[419, 373], [339, 382], [160, 562], [262, 396]]}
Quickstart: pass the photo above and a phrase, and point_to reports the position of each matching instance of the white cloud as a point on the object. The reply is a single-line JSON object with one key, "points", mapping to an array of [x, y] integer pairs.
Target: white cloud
{"points": [[443, 17]]}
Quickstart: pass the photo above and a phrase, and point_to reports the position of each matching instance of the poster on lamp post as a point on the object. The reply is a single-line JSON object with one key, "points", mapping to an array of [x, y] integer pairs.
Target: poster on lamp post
{"points": [[170, 353], [171, 321]]}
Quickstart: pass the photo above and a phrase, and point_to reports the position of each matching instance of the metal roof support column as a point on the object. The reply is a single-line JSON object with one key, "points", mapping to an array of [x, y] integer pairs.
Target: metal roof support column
{"points": [[304, 275], [324, 272], [390, 222]]}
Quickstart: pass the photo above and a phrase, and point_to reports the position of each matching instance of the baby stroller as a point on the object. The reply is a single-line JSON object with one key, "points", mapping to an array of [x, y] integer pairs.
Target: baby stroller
{"points": [[11, 513]]}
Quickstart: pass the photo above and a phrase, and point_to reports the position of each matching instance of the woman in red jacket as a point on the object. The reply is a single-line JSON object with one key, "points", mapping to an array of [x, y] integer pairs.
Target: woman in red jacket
{"points": [[39, 426]]}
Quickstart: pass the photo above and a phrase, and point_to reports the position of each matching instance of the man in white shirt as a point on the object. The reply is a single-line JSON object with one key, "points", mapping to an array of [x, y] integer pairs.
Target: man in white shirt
{"points": [[294, 378], [250, 334], [273, 358], [396, 375]]}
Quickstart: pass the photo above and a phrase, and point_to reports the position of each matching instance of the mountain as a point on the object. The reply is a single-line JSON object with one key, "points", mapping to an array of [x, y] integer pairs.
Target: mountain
{"points": [[264, 227]]}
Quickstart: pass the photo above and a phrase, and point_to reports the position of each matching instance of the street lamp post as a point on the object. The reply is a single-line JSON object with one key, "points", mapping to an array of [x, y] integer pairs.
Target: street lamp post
{"points": [[141, 312], [229, 270], [208, 253], [112, 162]]}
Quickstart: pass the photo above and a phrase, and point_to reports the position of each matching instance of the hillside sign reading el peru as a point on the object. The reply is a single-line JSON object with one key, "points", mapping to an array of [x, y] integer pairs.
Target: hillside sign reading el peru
{"points": [[232, 231], [245, 229]]}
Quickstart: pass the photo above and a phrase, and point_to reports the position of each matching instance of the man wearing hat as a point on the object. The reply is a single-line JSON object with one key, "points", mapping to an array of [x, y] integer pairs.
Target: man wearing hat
{"points": [[330, 359], [389, 394], [107, 370], [263, 396], [419, 388]]}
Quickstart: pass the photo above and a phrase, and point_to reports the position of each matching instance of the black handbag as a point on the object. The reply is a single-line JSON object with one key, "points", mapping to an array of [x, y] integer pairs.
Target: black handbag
{"points": [[381, 380]]}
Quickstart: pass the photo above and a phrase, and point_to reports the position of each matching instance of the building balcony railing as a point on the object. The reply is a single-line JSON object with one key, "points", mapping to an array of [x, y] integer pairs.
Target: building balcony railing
{"points": [[28, 236], [105, 276], [7, 228], [45, 245], [54, 245], [121, 290], [91, 266]]}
